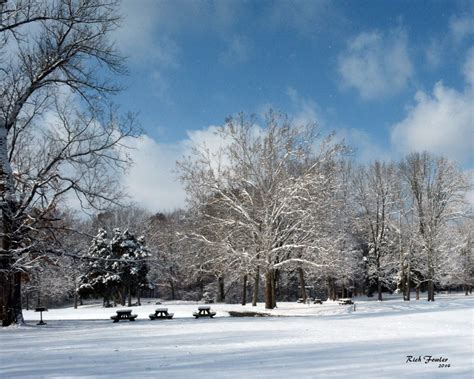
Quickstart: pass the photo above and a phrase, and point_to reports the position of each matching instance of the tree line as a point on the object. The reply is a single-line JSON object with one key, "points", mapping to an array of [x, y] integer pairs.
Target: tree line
{"points": [[281, 212]]}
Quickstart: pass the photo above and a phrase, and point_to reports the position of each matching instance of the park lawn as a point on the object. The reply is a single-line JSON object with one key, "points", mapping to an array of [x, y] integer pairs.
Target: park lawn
{"points": [[298, 341]]}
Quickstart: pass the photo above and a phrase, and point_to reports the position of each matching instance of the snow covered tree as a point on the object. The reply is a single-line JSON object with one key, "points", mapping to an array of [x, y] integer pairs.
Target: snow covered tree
{"points": [[100, 277], [50, 49], [255, 187], [115, 267], [374, 192], [132, 261], [457, 269], [437, 190], [465, 267]]}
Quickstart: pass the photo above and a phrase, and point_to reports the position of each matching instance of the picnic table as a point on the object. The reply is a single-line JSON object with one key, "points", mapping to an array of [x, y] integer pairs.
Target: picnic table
{"points": [[345, 301], [318, 301], [41, 310], [124, 314], [204, 311], [161, 313], [303, 301]]}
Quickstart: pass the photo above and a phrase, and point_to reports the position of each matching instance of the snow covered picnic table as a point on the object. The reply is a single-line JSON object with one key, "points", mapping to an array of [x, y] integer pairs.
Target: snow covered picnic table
{"points": [[161, 313], [345, 301], [124, 314], [204, 311]]}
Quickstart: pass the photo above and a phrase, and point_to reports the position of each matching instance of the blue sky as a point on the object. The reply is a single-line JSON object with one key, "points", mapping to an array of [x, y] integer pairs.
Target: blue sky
{"points": [[388, 76]]}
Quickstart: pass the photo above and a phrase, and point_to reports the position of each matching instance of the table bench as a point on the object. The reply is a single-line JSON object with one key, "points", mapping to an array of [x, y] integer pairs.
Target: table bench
{"points": [[204, 311], [161, 313], [345, 301], [318, 301], [124, 314]]}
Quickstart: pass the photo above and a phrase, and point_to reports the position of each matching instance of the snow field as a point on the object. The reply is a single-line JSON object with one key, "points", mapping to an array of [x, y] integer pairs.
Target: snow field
{"points": [[316, 341]]}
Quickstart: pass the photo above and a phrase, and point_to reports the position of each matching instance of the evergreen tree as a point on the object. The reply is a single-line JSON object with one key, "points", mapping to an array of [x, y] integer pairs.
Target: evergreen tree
{"points": [[131, 264], [114, 266]]}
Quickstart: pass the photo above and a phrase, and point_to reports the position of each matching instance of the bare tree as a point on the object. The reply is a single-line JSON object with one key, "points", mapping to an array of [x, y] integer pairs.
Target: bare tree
{"points": [[173, 260], [464, 273], [438, 192], [48, 48], [374, 192], [259, 183]]}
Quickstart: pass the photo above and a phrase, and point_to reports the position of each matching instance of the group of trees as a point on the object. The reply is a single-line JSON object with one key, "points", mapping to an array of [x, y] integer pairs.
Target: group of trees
{"points": [[279, 208], [278, 203], [281, 197]]}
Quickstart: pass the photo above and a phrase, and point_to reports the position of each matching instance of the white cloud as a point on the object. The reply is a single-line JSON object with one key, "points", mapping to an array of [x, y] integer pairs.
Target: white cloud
{"points": [[306, 111], [137, 36], [433, 53], [238, 51], [441, 123], [376, 64], [364, 148], [468, 68], [461, 27], [152, 181], [306, 17], [149, 27]]}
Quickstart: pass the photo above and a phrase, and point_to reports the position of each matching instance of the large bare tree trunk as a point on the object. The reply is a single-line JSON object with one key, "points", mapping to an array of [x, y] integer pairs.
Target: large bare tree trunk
{"points": [[379, 282], [172, 287], [331, 289], [379, 289], [407, 286], [270, 301], [244, 291], [220, 289], [304, 296], [430, 290], [430, 277], [276, 285], [5, 305], [129, 290], [122, 296], [255, 287], [10, 280]]}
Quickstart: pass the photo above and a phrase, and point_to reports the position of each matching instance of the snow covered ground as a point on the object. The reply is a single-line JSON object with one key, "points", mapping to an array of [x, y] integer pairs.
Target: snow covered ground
{"points": [[306, 341]]}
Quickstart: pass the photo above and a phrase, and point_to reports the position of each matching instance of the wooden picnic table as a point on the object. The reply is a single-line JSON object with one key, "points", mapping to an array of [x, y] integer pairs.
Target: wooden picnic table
{"points": [[161, 313], [318, 301], [345, 301], [124, 314], [204, 311]]}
